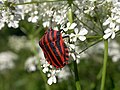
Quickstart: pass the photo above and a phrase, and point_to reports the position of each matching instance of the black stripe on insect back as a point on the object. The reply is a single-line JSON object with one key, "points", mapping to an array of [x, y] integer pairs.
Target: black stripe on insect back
{"points": [[58, 42], [57, 60], [53, 37], [66, 55]]}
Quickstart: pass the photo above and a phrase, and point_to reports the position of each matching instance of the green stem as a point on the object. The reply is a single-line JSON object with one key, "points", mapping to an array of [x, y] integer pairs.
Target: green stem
{"points": [[99, 20], [36, 2], [93, 37], [104, 64], [77, 82]]}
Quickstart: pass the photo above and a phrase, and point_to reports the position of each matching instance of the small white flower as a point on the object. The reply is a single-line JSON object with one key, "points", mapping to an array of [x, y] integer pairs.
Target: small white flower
{"points": [[75, 57], [49, 13], [30, 64], [36, 12], [33, 19], [52, 77], [51, 80], [110, 32], [112, 20], [69, 26], [72, 46], [46, 67], [13, 24], [46, 24], [79, 35]]}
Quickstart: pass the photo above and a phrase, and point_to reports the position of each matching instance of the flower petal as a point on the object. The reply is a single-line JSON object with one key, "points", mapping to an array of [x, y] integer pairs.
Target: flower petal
{"points": [[54, 79], [117, 28], [118, 20], [112, 25], [72, 26], [83, 31], [76, 30], [72, 35], [107, 30], [113, 35], [29, 19], [82, 38], [72, 46], [45, 70], [68, 24], [106, 36], [74, 39], [65, 29], [49, 81], [107, 21]]}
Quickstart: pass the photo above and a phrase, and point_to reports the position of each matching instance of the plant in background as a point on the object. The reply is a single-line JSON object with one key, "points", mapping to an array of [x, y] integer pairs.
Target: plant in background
{"points": [[86, 22]]}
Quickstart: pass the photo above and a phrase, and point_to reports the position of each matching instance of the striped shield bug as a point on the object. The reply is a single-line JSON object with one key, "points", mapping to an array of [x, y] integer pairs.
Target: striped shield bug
{"points": [[54, 48]]}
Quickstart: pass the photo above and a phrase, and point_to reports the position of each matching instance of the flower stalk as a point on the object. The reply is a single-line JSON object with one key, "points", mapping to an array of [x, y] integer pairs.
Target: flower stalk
{"points": [[104, 64], [77, 82], [39, 64]]}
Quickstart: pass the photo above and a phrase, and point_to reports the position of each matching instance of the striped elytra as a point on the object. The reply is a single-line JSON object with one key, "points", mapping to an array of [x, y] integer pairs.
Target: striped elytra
{"points": [[54, 48]]}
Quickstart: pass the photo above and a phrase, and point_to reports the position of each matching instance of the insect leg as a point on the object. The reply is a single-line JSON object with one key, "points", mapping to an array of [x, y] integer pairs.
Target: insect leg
{"points": [[66, 36]]}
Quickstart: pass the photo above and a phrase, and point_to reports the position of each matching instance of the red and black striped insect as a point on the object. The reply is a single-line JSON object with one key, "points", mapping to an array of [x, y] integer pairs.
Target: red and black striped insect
{"points": [[54, 48]]}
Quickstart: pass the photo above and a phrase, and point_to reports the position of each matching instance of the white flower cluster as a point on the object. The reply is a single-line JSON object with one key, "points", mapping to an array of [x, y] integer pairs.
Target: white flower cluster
{"points": [[34, 17], [8, 15], [52, 16], [11, 14], [19, 42], [53, 73], [7, 60], [113, 22], [30, 64]]}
